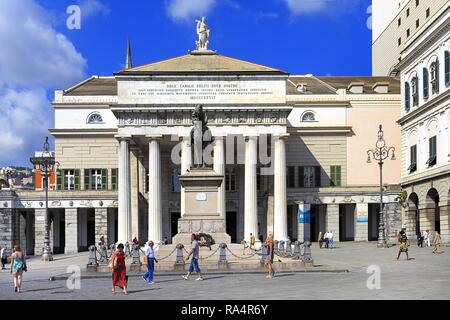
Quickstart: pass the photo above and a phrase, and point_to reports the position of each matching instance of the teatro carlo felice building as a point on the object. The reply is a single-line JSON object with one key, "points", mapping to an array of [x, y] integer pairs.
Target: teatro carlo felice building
{"points": [[123, 140]]}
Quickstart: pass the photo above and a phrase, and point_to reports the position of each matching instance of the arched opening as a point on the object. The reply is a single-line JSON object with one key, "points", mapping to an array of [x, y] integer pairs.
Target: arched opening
{"points": [[413, 220], [431, 217]]}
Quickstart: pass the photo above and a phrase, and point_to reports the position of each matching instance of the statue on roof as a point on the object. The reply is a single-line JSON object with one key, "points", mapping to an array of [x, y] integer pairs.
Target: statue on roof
{"points": [[203, 33]]}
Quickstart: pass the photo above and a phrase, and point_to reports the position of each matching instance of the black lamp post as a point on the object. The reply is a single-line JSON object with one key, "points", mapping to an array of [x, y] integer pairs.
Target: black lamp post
{"points": [[46, 163], [381, 153]]}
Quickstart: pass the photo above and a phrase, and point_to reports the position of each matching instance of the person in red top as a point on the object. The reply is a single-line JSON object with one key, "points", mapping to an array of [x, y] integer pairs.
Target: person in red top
{"points": [[119, 271]]}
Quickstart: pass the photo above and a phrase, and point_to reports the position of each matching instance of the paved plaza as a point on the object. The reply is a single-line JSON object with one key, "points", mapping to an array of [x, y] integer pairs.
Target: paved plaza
{"points": [[399, 279]]}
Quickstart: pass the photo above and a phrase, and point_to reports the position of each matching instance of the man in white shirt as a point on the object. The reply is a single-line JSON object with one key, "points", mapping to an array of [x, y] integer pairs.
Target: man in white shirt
{"points": [[150, 254], [3, 256], [330, 239], [426, 238]]}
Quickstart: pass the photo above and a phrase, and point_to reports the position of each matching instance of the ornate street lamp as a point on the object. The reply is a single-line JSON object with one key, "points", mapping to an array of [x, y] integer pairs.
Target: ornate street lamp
{"points": [[381, 153], [46, 163]]}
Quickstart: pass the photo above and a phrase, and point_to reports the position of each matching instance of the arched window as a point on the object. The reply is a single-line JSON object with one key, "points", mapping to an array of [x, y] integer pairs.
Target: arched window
{"points": [[95, 118], [407, 97], [447, 68], [426, 85], [415, 92], [308, 117], [434, 73]]}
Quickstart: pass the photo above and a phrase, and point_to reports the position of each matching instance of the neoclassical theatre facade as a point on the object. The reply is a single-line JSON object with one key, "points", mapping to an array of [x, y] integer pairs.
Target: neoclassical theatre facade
{"points": [[123, 140]]}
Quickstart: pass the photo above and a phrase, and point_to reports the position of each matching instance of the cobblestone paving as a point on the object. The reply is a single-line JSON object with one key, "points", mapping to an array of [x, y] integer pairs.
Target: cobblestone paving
{"points": [[399, 279]]}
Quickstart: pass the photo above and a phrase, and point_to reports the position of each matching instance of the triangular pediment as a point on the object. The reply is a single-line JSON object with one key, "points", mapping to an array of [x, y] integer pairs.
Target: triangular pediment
{"points": [[201, 64]]}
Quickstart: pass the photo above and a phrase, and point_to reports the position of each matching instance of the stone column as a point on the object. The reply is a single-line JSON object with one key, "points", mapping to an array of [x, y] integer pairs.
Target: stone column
{"points": [[134, 179], [250, 198], [101, 224], [219, 167], [154, 191], [141, 170], [124, 191], [304, 222], [6, 224], [361, 221], [426, 217], [39, 231], [280, 202], [186, 162], [444, 209], [410, 221], [71, 225], [333, 220]]}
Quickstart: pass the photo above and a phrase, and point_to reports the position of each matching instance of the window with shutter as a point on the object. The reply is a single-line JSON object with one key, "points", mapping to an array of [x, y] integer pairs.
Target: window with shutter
{"points": [[87, 176], [114, 179], [447, 68], [415, 92], [104, 179], [59, 182], [317, 176], [413, 159], [290, 177], [301, 175], [77, 179], [407, 97], [431, 152], [335, 172], [426, 80]]}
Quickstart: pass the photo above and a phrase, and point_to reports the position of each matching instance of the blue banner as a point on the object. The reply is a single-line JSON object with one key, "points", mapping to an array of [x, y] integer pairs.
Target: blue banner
{"points": [[304, 216]]}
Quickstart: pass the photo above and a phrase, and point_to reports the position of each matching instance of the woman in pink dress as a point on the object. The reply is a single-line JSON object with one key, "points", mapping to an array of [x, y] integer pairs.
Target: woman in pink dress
{"points": [[119, 271]]}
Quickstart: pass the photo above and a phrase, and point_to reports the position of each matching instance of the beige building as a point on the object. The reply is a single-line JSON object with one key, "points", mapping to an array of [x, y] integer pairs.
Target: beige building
{"points": [[396, 23], [123, 140]]}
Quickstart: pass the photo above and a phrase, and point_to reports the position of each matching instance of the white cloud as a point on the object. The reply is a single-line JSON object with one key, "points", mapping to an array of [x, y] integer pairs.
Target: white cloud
{"points": [[299, 7], [90, 8], [34, 58], [189, 9]]}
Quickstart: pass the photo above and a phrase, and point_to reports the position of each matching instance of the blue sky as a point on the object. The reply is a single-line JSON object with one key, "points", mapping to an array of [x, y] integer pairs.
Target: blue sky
{"points": [[322, 37]]}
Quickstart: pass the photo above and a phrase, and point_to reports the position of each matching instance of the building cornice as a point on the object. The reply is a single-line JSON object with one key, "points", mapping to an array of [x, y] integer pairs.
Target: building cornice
{"points": [[431, 174]]}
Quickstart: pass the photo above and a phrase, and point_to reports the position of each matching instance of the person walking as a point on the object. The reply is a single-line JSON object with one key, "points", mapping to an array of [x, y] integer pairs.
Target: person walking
{"points": [[404, 244], [252, 241], [3, 257], [18, 266], [326, 238], [420, 239], [119, 271], [195, 253], [330, 239], [320, 239], [426, 238], [437, 243], [150, 254], [268, 263]]}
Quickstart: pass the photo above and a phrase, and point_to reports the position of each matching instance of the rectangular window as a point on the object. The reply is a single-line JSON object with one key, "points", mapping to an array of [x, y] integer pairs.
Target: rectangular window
{"points": [[175, 181], [230, 179], [95, 179], [290, 177], [399, 22], [428, 12], [417, 3], [69, 180], [447, 68], [417, 23], [431, 152], [114, 179], [399, 41], [335, 172], [309, 177], [407, 12], [413, 159], [408, 33]]}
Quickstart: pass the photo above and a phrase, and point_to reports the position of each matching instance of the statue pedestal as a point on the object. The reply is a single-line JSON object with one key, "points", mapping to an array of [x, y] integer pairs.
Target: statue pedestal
{"points": [[201, 187]]}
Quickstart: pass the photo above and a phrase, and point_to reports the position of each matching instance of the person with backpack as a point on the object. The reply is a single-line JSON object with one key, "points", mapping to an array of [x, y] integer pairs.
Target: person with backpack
{"points": [[404, 244], [18, 266]]}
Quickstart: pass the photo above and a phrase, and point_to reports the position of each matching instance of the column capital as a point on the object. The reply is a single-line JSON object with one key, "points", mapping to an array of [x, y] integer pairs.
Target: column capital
{"points": [[281, 135], [151, 137], [123, 137]]}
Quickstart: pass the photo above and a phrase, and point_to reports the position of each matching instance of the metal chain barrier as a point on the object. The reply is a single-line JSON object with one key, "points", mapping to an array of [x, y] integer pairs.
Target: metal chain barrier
{"points": [[242, 258], [207, 257]]}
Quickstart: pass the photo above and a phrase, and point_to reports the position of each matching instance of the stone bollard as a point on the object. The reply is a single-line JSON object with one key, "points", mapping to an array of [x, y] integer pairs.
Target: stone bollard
{"points": [[275, 246], [307, 257], [297, 254], [281, 249], [103, 255], [179, 262], [136, 263], [223, 263], [244, 246], [288, 249], [92, 262]]}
